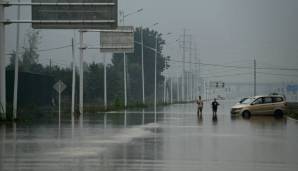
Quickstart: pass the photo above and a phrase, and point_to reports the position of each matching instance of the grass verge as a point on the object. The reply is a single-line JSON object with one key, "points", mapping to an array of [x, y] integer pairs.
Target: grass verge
{"points": [[292, 113]]}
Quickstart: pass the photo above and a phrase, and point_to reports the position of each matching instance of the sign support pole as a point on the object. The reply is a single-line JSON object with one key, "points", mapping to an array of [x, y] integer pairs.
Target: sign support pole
{"points": [[125, 88], [59, 105], [2, 64], [73, 81], [81, 107], [16, 70]]}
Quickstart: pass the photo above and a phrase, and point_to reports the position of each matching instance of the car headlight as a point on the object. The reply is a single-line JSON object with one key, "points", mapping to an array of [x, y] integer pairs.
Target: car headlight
{"points": [[236, 109]]}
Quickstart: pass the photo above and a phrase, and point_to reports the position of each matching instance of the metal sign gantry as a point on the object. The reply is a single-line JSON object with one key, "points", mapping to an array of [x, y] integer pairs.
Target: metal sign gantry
{"points": [[50, 14]]}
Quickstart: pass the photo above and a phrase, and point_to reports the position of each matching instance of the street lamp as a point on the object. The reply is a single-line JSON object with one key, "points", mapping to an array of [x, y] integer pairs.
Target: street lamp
{"points": [[124, 55], [128, 14], [155, 67], [165, 80], [143, 75]]}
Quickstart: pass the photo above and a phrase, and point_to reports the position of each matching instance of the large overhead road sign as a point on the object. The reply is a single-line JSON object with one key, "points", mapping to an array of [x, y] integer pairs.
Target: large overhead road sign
{"points": [[74, 14]]}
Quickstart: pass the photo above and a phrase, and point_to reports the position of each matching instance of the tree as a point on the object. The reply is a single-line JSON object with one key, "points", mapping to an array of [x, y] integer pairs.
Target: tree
{"points": [[29, 62], [30, 56], [93, 80]]}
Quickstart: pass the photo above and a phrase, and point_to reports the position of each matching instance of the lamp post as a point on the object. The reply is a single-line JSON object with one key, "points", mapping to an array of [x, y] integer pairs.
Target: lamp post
{"points": [[155, 68], [124, 55], [143, 75]]}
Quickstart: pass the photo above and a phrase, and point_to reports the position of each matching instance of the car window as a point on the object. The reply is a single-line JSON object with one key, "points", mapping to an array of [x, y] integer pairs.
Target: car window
{"points": [[277, 99], [242, 100], [258, 101], [267, 100], [248, 101]]}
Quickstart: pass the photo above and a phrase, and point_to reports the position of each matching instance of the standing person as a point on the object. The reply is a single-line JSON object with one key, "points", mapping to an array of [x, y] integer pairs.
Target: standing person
{"points": [[200, 106], [214, 104]]}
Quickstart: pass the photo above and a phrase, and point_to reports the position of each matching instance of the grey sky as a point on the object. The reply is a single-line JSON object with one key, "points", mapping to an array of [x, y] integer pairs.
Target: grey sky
{"points": [[230, 32]]}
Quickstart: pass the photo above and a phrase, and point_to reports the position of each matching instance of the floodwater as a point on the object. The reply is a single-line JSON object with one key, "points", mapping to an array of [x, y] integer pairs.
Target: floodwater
{"points": [[172, 138]]}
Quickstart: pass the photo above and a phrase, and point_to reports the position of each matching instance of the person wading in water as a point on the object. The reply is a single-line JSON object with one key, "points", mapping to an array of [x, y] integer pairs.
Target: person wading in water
{"points": [[200, 106], [214, 105]]}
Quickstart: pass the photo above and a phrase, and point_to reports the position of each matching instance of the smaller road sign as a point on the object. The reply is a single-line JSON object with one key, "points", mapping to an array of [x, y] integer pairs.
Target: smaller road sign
{"points": [[117, 41], [59, 86]]}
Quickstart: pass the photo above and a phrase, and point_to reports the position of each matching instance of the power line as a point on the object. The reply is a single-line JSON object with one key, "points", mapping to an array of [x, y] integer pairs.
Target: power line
{"points": [[55, 48], [215, 65], [226, 75], [278, 68], [239, 67], [287, 75]]}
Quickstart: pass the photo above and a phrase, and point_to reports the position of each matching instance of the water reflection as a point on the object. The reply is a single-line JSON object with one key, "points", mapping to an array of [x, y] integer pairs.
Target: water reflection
{"points": [[151, 140], [155, 116], [125, 119], [200, 119], [105, 120], [143, 117], [214, 119], [3, 139]]}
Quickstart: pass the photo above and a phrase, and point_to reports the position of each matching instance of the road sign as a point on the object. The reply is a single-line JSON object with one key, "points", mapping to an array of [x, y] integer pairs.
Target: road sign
{"points": [[117, 41], [59, 86], [74, 14], [292, 88], [217, 84]]}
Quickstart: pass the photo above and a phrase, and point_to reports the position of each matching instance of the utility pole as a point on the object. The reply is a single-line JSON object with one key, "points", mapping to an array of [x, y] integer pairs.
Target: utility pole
{"points": [[50, 64], [124, 75], [196, 75], [191, 69], [16, 67], [143, 75], [255, 77], [178, 95], [2, 64], [183, 67], [171, 88], [105, 82], [164, 84], [81, 107], [155, 71]]}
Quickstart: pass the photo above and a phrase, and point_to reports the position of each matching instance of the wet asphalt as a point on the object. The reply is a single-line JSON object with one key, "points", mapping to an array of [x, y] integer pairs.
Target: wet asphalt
{"points": [[171, 138]]}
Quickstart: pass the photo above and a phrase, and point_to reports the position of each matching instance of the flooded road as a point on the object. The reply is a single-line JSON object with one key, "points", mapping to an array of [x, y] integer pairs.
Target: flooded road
{"points": [[172, 138]]}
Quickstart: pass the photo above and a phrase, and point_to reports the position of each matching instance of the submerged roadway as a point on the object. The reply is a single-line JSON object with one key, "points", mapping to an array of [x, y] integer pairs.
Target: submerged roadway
{"points": [[173, 138]]}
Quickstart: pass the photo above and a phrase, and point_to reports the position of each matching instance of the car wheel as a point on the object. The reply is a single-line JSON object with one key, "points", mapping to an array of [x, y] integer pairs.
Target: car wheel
{"points": [[246, 114], [278, 114]]}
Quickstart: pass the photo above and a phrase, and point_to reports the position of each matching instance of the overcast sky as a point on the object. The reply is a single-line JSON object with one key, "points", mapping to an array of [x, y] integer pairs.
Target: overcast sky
{"points": [[229, 32]]}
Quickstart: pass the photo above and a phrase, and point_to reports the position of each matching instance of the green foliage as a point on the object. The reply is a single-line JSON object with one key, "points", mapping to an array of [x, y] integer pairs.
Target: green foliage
{"points": [[94, 75], [134, 64], [29, 59]]}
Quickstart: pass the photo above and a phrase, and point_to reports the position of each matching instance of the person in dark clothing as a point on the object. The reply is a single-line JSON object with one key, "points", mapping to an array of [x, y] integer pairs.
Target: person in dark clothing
{"points": [[214, 105]]}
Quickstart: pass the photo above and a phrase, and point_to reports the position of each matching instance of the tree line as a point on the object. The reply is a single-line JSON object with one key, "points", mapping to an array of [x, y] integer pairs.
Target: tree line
{"points": [[94, 72]]}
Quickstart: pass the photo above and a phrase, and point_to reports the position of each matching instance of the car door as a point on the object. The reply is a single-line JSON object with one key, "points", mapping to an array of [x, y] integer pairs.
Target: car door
{"points": [[268, 106], [278, 103], [256, 107]]}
